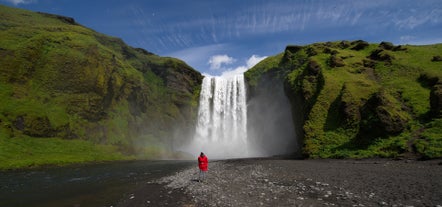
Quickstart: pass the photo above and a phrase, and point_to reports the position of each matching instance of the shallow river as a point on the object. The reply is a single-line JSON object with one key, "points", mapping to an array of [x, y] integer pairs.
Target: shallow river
{"points": [[85, 185]]}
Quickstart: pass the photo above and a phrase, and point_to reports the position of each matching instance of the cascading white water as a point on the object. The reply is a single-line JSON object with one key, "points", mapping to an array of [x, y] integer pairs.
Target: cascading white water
{"points": [[222, 118]]}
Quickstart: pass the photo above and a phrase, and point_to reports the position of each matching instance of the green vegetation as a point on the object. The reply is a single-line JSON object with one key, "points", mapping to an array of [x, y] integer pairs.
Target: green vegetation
{"points": [[21, 152], [67, 86], [356, 99]]}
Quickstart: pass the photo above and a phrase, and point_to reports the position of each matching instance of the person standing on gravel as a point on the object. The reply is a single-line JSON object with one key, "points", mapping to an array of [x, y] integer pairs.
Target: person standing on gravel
{"points": [[203, 164]]}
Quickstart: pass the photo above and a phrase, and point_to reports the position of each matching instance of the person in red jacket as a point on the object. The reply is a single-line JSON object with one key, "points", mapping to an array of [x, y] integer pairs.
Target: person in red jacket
{"points": [[203, 164]]}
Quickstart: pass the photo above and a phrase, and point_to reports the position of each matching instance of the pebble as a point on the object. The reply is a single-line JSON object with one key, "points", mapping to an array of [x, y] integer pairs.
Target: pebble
{"points": [[254, 182]]}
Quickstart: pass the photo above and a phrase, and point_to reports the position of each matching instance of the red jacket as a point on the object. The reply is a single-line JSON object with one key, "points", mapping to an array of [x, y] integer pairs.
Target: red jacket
{"points": [[203, 163]]}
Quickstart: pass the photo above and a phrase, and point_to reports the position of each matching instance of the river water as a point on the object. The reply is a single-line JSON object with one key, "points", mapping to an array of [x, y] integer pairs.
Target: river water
{"points": [[81, 185]]}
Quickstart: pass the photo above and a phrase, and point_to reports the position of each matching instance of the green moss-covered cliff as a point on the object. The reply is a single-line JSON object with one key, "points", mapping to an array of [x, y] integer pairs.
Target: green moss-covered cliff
{"points": [[61, 81], [355, 99]]}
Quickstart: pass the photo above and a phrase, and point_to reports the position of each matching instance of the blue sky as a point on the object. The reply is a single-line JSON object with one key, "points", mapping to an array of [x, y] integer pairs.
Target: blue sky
{"points": [[227, 36]]}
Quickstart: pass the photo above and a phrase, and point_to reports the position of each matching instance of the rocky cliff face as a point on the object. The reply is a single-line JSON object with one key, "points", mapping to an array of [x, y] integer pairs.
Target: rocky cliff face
{"points": [[355, 99], [60, 79]]}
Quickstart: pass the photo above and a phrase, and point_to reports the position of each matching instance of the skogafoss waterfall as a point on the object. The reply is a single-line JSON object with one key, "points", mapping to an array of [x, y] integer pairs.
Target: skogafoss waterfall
{"points": [[222, 117], [231, 126]]}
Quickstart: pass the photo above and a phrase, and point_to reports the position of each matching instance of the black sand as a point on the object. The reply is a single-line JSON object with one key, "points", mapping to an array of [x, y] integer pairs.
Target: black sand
{"points": [[277, 182]]}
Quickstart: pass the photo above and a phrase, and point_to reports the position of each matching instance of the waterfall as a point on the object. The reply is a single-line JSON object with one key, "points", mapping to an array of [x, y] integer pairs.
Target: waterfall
{"points": [[221, 130]]}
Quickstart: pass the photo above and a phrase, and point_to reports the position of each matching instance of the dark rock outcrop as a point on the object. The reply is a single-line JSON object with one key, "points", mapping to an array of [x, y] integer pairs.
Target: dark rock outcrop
{"points": [[381, 55], [336, 61], [436, 58], [436, 100], [382, 117], [359, 45]]}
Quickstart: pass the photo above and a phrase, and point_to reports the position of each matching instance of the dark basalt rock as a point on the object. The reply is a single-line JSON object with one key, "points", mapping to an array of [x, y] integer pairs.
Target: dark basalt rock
{"points": [[330, 51], [336, 61], [344, 44], [68, 20], [359, 45], [390, 46], [293, 48], [380, 117], [313, 67], [381, 55], [436, 58], [34, 126], [436, 100]]}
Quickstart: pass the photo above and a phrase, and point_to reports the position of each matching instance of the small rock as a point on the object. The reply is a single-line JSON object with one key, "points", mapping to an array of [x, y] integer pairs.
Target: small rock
{"points": [[132, 197]]}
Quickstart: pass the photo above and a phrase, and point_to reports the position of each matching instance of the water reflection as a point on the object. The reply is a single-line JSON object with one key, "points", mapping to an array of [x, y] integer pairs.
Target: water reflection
{"points": [[86, 185]]}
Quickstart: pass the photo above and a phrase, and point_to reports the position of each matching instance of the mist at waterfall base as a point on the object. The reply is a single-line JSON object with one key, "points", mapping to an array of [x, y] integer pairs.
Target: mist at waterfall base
{"points": [[231, 126]]}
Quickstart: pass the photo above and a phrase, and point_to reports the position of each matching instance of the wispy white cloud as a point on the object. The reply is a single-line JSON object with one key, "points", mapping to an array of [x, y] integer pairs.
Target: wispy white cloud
{"points": [[414, 18], [197, 57], [217, 61], [413, 40], [255, 26], [16, 2], [252, 61]]}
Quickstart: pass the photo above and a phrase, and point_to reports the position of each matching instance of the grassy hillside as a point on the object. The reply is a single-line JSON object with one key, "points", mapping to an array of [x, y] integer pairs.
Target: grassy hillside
{"points": [[355, 99], [61, 83]]}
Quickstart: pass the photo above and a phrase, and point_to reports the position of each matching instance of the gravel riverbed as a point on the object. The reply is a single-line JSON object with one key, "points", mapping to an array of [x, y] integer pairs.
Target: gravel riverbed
{"points": [[278, 182]]}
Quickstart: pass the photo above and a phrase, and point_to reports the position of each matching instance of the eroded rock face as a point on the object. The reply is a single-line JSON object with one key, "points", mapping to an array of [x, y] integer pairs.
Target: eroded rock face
{"points": [[270, 123]]}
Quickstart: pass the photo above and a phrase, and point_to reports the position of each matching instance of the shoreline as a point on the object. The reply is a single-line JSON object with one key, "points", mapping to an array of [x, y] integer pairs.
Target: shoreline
{"points": [[284, 182]]}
